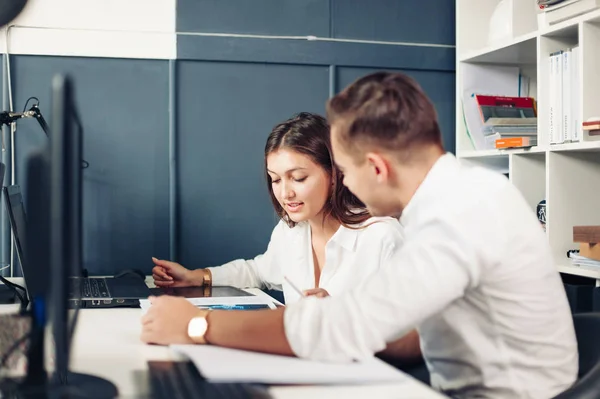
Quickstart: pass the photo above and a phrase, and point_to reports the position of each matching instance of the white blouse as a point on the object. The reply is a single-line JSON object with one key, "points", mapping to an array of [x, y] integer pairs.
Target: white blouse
{"points": [[351, 255]]}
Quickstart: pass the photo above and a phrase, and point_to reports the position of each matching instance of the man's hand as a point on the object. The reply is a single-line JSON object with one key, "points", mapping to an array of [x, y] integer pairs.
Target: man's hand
{"points": [[318, 292], [167, 320], [170, 274], [406, 349]]}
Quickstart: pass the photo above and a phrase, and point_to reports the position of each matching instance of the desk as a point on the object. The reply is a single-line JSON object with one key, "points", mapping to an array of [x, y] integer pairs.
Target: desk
{"points": [[107, 344]]}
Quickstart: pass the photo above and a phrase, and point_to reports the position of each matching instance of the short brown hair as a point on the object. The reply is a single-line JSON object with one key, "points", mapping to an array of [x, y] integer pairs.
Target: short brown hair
{"points": [[388, 110], [309, 134]]}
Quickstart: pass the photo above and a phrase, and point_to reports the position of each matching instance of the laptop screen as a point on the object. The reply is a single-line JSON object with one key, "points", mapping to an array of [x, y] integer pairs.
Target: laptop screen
{"points": [[18, 221]]}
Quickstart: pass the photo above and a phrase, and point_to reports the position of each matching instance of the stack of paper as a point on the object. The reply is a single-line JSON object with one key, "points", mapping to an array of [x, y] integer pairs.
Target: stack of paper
{"points": [[219, 364], [578, 260]]}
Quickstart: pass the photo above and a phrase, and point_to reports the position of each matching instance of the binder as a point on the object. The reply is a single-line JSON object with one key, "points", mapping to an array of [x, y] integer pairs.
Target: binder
{"points": [[566, 81]]}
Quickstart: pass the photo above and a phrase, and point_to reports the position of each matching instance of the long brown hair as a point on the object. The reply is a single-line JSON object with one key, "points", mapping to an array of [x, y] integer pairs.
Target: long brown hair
{"points": [[309, 134]]}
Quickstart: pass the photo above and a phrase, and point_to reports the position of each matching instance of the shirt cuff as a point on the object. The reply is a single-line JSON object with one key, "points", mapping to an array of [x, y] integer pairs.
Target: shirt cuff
{"points": [[295, 328], [326, 329], [219, 276]]}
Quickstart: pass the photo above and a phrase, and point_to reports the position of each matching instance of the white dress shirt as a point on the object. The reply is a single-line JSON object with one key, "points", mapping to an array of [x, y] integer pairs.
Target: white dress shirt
{"points": [[351, 255], [475, 276]]}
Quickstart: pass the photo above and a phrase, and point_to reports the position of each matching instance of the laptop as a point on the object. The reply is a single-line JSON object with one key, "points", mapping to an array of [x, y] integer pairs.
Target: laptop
{"points": [[83, 291]]}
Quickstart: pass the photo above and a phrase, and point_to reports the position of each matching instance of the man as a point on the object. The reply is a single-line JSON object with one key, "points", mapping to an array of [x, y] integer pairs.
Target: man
{"points": [[475, 275]]}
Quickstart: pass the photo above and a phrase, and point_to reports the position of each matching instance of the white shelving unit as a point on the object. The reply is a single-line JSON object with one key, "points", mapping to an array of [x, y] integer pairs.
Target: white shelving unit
{"points": [[566, 175]]}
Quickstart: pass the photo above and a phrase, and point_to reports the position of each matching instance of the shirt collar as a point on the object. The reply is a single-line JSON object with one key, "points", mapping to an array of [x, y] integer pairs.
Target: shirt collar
{"points": [[439, 174], [346, 238]]}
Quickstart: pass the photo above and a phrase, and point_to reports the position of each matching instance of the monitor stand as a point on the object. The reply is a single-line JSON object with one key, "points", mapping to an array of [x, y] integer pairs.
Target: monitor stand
{"points": [[37, 385], [77, 386]]}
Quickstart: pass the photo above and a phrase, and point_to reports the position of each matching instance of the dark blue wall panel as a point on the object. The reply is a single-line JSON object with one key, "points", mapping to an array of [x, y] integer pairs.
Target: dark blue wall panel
{"points": [[258, 17], [239, 87], [230, 92], [124, 108], [225, 113], [439, 86], [423, 21], [310, 52]]}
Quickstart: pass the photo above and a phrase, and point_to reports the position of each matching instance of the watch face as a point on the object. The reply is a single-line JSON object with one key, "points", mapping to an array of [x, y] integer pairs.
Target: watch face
{"points": [[197, 327]]}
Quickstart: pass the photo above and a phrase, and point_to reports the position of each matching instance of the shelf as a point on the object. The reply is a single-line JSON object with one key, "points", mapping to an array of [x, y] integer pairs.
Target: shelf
{"points": [[570, 26], [593, 17], [566, 175], [587, 146], [566, 29], [580, 146], [499, 153], [481, 154], [579, 271], [520, 50]]}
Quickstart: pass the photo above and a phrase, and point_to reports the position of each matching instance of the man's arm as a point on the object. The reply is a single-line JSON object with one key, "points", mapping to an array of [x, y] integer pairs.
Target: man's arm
{"points": [[260, 331], [430, 272], [225, 332]]}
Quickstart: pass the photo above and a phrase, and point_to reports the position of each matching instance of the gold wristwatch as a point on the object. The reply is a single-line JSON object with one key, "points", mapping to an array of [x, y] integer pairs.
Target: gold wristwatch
{"points": [[198, 326]]}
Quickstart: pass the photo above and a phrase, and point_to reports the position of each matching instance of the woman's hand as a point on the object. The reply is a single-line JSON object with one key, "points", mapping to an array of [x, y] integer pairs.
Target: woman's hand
{"points": [[318, 292], [171, 274]]}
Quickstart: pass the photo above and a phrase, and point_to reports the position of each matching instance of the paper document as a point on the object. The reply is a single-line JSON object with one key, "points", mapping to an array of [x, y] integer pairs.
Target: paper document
{"points": [[232, 302], [231, 365]]}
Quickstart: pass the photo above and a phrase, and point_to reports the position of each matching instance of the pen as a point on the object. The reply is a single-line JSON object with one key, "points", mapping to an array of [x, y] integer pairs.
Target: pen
{"points": [[293, 286]]}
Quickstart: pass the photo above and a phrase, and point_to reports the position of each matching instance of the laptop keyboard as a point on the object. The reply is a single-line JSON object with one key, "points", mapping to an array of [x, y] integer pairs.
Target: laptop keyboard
{"points": [[181, 380], [89, 288]]}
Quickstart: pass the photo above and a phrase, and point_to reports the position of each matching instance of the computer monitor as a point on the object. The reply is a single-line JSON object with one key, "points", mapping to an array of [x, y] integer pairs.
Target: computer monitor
{"points": [[54, 230], [16, 217], [65, 210], [66, 231], [36, 281]]}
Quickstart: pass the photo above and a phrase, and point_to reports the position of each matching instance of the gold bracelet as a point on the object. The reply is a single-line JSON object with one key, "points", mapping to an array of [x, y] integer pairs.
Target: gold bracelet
{"points": [[207, 278]]}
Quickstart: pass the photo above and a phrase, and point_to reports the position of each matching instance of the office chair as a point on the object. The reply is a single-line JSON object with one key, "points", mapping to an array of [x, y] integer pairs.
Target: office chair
{"points": [[587, 386]]}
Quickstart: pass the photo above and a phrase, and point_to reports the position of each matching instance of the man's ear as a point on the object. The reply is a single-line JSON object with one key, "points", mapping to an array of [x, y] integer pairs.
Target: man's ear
{"points": [[379, 166]]}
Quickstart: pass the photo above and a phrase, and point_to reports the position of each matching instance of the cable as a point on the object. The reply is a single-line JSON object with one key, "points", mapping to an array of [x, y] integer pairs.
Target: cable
{"points": [[73, 324], [10, 283], [75, 317], [84, 164], [36, 113], [40, 118], [8, 74], [15, 288], [27, 102], [12, 348]]}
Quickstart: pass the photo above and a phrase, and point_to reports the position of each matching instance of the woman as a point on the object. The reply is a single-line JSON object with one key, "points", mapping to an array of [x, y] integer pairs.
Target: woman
{"points": [[325, 242]]}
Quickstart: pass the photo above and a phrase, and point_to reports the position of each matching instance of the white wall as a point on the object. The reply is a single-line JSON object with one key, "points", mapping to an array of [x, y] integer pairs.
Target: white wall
{"points": [[94, 28]]}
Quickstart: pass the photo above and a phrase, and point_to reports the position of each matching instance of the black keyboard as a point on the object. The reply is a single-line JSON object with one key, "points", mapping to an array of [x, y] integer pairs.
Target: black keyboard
{"points": [[88, 288], [181, 380]]}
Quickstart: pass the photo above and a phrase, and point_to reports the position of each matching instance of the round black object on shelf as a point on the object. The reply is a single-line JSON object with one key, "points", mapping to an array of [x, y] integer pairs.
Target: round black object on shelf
{"points": [[9, 9]]}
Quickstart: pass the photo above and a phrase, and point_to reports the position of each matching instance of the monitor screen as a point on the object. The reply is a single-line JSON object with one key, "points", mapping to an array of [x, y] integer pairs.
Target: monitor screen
{"points": [[17, 218], [65, 212]]}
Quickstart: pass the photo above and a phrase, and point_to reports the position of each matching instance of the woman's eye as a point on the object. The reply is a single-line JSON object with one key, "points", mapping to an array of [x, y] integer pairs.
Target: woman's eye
{"points": [[300, 180], [274, 181]]}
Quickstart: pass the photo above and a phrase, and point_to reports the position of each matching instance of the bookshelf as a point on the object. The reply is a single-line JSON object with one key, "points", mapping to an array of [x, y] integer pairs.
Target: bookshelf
{"points": [[566, 175]]}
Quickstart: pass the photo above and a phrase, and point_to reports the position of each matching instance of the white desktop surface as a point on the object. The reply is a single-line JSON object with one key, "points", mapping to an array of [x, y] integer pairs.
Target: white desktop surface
{"points": [[107, 344]]}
